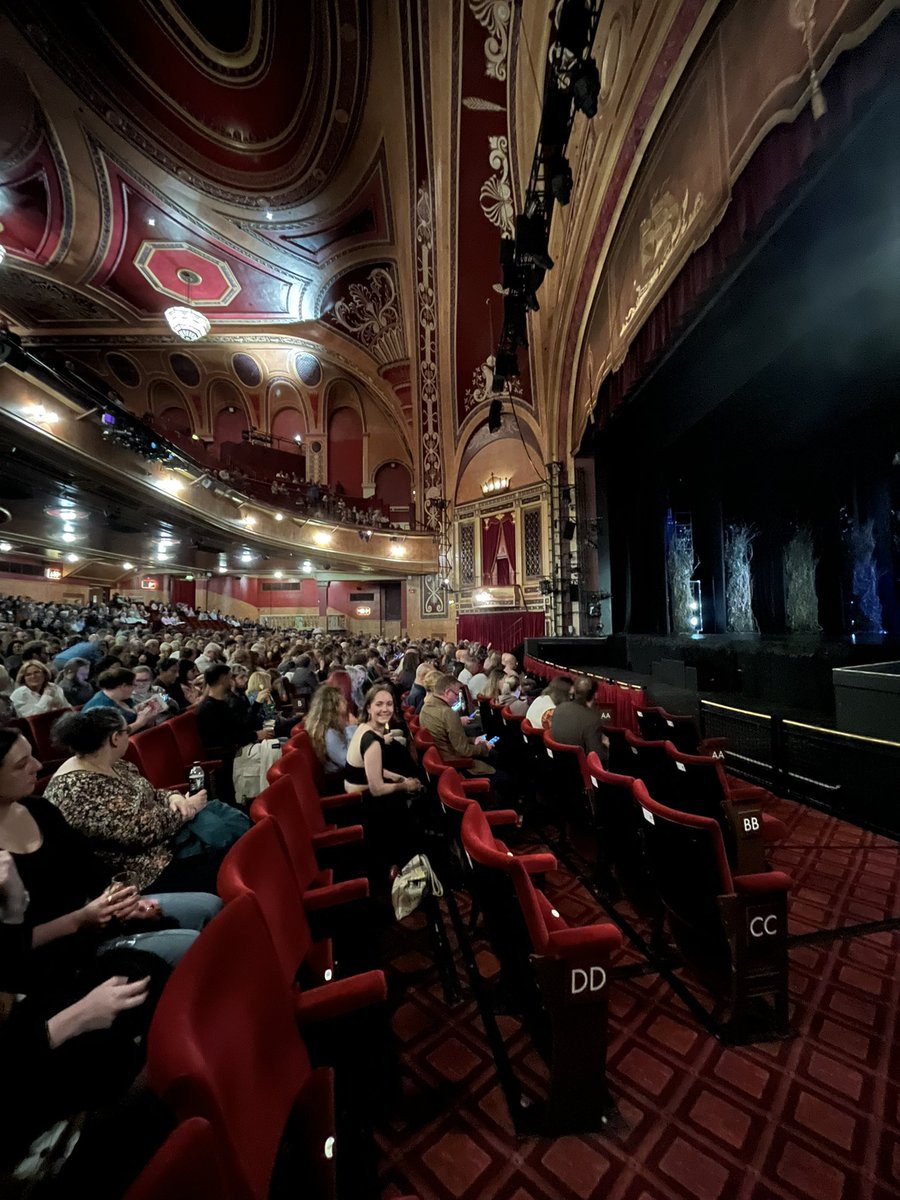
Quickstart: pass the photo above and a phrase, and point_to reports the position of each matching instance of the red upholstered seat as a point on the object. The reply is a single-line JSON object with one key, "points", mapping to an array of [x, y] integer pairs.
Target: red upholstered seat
{"points": [[281, 803], [224, 1045], [158, 757], [188, 1165], [187, 737]]}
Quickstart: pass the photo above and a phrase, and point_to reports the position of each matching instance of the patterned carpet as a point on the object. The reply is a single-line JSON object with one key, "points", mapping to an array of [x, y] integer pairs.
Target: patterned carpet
{"points": [[814, 1117]]}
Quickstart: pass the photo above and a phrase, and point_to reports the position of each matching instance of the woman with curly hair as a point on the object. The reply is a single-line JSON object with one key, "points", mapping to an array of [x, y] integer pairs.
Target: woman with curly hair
{"points": [[330, 726]]}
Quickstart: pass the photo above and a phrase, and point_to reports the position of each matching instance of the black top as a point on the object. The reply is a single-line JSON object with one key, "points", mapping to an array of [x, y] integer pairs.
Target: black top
{"points": [[226, 725], [63, 873], [394, 758]]}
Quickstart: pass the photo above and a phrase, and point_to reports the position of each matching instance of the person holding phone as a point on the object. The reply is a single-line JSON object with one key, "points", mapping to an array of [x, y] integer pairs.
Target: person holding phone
{"points": [[445, 726]]}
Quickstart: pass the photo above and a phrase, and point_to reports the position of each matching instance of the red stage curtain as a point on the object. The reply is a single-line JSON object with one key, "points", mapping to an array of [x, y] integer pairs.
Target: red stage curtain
{"points": [[498, 541], [183, 591], [500, 630], [779, 162]]}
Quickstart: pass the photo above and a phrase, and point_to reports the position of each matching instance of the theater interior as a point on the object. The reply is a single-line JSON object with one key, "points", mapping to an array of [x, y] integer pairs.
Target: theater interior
{"points": [[562, 328]]}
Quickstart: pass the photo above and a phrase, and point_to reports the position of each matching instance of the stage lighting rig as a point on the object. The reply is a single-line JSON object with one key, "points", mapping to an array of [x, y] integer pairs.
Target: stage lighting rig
{"points": [[586, 88], [560, 175], [495, 416]]}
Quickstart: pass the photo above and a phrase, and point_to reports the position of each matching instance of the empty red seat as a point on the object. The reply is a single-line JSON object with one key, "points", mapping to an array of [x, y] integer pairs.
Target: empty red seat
{"points": [[187, 738], [158, 758], [188, 1165]]}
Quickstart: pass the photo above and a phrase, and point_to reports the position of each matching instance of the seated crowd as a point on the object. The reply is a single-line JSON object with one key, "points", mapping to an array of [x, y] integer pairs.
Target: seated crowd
{"points": [[106, 879]]}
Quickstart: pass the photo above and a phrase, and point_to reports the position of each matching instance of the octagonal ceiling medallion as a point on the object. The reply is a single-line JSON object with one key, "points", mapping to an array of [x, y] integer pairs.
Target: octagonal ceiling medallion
{"points": [[183, 272]]}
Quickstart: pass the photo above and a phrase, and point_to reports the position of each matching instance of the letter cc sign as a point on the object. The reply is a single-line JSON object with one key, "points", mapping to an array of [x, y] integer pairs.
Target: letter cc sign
{"points": [[763, 926]]}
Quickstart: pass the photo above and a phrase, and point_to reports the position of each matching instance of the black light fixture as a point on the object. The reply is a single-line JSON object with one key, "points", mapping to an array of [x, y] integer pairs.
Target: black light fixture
{"points": [[586, 87], [560, 175], [573, 25], [495, 416], [568, 531], [507, 365], [531, 241]]}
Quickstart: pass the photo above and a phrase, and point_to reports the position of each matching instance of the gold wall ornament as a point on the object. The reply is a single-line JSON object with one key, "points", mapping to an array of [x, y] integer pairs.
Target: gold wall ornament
{"points": [[496, 197], [432, 463], [495, 16], [481, 387], [372, 315], [802, 15], [662, 234]]}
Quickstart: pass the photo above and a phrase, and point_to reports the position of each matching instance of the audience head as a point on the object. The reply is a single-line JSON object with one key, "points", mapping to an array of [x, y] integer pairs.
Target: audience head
{"points": [[18, 767], [143, 680], [117, 683], [187, 672], [494, 685], [33, 674], [218, 679], [510, 663], [99, 730], [259, 681], [35, 650], [75, 668], [585, 690], [378, 705], [560, 689], [167, 671], [445, 687], [327, 710]]}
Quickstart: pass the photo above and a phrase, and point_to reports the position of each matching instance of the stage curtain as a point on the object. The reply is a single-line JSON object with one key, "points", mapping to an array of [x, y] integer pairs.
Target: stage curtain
{"points": [[182, 591], [779, 161], [498, 541], [500, 630]]}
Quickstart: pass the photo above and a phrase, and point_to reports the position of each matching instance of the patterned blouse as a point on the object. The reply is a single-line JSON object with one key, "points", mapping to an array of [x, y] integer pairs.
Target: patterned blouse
{"points": [[129, 823]]}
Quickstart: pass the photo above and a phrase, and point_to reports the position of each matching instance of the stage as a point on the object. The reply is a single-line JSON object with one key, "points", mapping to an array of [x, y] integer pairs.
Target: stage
{"points": [[781, 673]]}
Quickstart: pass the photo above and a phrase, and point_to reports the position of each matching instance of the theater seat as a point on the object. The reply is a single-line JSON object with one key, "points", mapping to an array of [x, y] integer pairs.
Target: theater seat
{"points": [[572, 966], [190, 748], [190, 1164], [570, 780], [732, 927], [224, 1045], [158, 758], [423, 739], [321, 811]]}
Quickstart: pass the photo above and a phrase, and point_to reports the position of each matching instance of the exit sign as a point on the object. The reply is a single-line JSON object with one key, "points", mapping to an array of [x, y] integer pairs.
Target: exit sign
{"points": [[149, 584], [52, 573]]}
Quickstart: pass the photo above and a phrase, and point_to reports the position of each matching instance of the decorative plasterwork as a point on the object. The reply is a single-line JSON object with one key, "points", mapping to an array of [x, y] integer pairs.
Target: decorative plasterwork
{"points": [[481, 387], [372, 315], [167, 266], [662, 232], [496, 194], [495, 16], [432, 467]]}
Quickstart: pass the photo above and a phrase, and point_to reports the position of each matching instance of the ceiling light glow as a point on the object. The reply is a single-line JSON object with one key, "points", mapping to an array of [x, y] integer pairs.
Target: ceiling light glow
{"points": [[322, 537], [279, 516], [187, 323], [5, 547], [127, 566], [169, 484], [72, 558]]}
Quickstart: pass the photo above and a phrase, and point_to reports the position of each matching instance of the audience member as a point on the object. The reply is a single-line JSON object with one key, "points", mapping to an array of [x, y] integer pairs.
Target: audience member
{"points": [[74, 681], [116, 689], [556, 692], [441, 720], [331, 727], [35, 691], [576, 722]]}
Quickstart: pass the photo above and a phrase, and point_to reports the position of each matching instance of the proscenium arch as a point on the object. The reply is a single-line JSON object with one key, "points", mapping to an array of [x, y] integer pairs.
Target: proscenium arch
{"points": [[473, 435]]}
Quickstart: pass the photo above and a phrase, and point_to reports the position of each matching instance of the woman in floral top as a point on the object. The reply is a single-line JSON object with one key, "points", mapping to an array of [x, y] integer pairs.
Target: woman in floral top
{"points": [[131, 824]]}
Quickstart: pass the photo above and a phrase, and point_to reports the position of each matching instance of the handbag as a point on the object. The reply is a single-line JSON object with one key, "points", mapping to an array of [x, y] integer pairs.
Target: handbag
{"points": [[413, 883], [217, 826]]}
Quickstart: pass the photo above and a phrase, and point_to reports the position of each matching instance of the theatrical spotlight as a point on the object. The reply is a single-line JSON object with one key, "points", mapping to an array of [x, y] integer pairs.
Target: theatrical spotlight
{"points": [[495, 416], [531, 241], [559, 173], [507, 365], [586, 87]]}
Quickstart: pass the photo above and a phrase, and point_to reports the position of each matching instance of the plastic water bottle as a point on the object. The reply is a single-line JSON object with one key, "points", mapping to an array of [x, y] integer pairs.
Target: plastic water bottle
{"points": [[196, 779]]}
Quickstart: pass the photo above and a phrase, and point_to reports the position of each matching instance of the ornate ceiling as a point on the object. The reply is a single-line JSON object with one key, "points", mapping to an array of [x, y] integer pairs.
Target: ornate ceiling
{"points": [[332, 179]]}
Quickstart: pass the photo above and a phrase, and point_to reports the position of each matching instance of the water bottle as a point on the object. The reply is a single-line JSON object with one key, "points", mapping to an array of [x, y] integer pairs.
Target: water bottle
{"points": [[196, 779]]}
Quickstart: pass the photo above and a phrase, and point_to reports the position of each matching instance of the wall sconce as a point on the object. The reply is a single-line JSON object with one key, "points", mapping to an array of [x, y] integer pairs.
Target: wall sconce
{"points": [[364, 611], [322, 537], [494, 484]]}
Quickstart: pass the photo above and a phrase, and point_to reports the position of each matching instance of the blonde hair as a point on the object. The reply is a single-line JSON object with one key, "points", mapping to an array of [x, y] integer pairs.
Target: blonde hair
{"points": [[431, 677], [259, 681], [324, 714], [27, 666]]}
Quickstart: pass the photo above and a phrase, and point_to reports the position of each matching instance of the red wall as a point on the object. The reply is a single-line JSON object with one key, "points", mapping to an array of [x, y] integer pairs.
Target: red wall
{"points": [[345, 451]]}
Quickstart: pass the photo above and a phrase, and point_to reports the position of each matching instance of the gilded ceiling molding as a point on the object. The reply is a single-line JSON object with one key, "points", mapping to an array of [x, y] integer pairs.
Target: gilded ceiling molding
{"points": [[495, 16], [662, 232], [481, 387], [432, 463], [372, 316], [496, 197]]}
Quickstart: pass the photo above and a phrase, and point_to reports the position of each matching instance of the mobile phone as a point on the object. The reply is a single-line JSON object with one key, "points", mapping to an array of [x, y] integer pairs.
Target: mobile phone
{"points": [[473, 713], [493, 741]]}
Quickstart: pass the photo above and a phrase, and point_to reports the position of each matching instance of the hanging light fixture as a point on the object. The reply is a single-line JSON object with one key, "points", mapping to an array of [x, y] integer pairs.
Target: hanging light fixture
{"points": [[184, 321], [494, 484]]}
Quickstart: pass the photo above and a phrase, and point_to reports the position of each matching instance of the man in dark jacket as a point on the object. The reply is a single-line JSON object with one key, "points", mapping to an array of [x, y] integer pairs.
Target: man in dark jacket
{"points": [[577, 723]]}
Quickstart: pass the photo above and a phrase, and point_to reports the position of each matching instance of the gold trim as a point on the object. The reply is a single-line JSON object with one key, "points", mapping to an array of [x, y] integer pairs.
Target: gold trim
{"points": [[859, 737], [746, 712]]}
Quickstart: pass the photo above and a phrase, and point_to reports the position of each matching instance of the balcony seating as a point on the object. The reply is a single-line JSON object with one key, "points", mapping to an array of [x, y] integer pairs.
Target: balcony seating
{"points": [[572, 968], [731, 927], [224, 1045]]}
